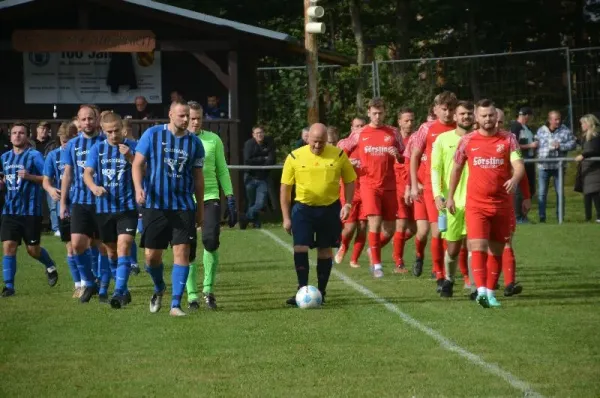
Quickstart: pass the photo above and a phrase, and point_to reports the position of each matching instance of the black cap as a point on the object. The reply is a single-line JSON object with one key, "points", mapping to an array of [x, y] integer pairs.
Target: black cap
{"points": [[525, 111]]}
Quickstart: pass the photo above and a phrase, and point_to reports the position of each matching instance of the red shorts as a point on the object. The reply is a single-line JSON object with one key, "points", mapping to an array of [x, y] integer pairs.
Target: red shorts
{"points": [[405, 212], [425, 208], [513, 222], [490, 224], [356, 213], [377, 202]]}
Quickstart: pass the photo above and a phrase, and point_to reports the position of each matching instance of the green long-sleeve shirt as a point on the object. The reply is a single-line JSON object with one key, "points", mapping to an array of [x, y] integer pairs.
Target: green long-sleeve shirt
{"points": [[215, 168]]}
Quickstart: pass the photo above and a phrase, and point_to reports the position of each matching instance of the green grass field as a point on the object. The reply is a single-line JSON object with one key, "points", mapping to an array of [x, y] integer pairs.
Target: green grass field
{"points": [[391, 337]]}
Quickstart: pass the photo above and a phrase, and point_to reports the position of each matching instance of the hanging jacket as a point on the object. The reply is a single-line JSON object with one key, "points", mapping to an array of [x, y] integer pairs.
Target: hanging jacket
{"points": [[121, 72]]}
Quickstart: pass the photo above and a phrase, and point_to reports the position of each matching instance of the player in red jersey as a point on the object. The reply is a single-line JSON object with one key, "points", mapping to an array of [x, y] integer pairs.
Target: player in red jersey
{"points": [[495, 170], [426, 212], [379, 147], [511, 287], [356, 221], [405, 222]]}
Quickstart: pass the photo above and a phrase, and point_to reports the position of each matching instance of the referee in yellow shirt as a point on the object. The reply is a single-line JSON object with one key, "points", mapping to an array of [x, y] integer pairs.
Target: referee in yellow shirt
{"points": [[316, 219]]}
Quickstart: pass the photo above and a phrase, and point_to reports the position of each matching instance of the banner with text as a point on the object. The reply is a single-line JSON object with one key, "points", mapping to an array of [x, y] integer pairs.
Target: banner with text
{"points": [[83, 77]]}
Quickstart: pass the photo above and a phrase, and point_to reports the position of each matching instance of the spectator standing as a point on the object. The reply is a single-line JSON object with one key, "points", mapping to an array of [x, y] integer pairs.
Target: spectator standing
{"points": [[528, 146], [43, 139], [213, 109], [303, 139], [141, 109], [258, 151], [590, 170], [554, 141]]}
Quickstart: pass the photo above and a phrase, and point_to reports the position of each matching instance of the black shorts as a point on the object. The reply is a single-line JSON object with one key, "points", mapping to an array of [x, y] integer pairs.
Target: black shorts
{"points": [[21, 228], [83, 220], [162, 227], [211, 228], [111, 225], [316, 226], [64, 226]]}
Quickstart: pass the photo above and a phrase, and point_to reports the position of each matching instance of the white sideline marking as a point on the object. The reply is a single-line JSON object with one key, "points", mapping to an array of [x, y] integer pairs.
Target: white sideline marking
{"points": [[443, 341]]}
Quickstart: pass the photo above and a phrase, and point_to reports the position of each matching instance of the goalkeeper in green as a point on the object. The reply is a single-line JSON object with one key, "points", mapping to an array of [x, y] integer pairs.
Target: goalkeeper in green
{"points": [[442, 161], [216, 173]]}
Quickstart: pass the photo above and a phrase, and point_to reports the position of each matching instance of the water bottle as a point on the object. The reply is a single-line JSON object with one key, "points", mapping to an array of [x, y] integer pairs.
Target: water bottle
{"points": [[442, 220]]}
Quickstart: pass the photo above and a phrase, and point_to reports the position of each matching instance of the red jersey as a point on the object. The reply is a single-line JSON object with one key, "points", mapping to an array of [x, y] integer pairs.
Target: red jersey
{"points": [[375, 146], [488, 159], [402, 168], [425, 137], [354, 159]]}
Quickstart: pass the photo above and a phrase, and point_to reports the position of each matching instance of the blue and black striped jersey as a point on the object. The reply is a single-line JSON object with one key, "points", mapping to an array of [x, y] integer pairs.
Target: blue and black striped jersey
{"points": [[75, 155], [23, 197], [113, 172], [169, 180]]}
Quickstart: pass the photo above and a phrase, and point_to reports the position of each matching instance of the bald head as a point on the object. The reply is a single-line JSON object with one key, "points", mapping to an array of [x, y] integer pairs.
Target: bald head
{"points": [[317, 138], [500, 122]]}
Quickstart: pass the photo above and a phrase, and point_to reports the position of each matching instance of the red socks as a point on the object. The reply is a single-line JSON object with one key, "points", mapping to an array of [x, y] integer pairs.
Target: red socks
{"points": [[375, 247], [384, 240], [359, 244], [479, 264], [494, 265], [463, 262], [420, 247], [399, 241], [508, 266], [437, 257]]}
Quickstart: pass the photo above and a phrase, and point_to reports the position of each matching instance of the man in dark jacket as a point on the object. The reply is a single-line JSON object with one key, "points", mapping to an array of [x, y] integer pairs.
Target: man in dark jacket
{"points": [[43, 140], [258, 151]]}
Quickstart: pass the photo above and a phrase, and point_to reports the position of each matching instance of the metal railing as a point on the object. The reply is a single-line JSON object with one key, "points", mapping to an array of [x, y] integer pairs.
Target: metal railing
{"points": [[561, 168]]}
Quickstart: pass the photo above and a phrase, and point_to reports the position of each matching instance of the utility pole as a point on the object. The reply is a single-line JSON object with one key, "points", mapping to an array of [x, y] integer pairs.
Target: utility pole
{"points": [[312, 28]]}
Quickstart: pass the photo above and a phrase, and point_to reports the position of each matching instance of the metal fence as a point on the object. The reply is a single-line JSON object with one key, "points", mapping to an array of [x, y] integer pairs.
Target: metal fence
{"points": [[562, 162], [556, 78]]}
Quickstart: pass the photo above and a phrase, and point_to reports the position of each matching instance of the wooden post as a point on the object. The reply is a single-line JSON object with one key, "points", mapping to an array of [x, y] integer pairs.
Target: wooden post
{"points": [[310, 44]]}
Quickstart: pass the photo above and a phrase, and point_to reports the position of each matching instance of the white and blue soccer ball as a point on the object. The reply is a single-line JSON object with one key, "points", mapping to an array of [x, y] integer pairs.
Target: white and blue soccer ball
{"points": [[309, 297]]}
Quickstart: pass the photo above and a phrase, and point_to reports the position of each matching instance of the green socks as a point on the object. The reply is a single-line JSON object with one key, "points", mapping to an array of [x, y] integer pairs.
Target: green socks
{"points": [[211, 261]]}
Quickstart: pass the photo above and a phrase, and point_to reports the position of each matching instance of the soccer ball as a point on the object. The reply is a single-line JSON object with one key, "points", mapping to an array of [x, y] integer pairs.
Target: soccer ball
{"points": [[309, 297]]}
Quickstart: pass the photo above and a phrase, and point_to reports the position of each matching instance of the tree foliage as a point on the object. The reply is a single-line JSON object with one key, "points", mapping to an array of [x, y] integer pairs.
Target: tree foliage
{"points": [[413, 29]]}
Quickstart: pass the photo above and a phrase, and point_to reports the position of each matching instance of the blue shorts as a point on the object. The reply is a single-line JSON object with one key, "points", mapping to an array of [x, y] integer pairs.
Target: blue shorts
{"points": [[316, 226]]}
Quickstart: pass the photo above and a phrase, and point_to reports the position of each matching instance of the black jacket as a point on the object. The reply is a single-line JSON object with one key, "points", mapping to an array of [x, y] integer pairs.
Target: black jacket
{"points": [[256, 154], [121, 72], [590, 170]]}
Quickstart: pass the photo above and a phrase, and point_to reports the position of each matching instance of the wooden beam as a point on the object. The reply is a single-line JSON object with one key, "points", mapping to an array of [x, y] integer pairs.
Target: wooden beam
{"points": [[232, 62], [193, 45], [213, 67]]}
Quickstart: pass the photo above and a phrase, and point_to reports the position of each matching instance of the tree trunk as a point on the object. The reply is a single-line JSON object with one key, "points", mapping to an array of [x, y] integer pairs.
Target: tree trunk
{"points": [[360, 50]]}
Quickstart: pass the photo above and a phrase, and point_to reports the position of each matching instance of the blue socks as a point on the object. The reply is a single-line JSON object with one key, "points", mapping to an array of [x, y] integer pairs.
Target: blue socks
{"points": [[73, 268], [94, 261], [123, 268], [9, 269], [156, 273], [113, 267], [84, 264], [178, 279], [45, 259], [104, 275]]}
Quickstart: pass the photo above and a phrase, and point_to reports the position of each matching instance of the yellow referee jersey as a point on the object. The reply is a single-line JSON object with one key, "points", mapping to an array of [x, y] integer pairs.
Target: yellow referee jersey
{"points": [[317, 177]]}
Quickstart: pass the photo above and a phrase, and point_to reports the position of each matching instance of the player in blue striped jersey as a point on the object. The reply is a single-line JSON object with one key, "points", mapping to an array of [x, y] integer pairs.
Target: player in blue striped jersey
{"points": [[108, 175], [53, 171], [84, 230], [135, 270], [22, 169], [167, 173]]}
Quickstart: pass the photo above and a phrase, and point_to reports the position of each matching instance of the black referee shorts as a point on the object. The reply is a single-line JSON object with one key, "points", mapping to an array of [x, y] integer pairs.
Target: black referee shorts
{"points": [[21, 228], [316, 226], [162, 227], [83, 220], [111, 225]]}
